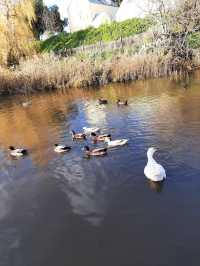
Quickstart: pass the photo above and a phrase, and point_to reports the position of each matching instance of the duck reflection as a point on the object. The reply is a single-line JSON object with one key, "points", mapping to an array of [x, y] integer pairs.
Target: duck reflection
{"points": [[156, 186]]}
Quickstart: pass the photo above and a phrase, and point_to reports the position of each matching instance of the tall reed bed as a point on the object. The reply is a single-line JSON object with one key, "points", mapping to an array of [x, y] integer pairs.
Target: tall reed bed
{"points": [[49, 72]]}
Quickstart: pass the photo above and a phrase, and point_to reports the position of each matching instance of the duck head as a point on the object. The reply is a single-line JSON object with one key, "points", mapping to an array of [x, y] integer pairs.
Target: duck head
{"points": [[86, 148], [93, 134], [56, 145], [11, 148]]}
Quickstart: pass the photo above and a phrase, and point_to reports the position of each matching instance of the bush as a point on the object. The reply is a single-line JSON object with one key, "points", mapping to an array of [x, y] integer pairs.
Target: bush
{"points": [[105, 33], [194, 40]]}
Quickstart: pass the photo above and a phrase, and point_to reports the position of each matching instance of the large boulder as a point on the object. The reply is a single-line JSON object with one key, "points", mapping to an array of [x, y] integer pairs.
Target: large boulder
{"points": [[134, 8], [85, 13], [141, 8], [101, 18], [79, 15]]}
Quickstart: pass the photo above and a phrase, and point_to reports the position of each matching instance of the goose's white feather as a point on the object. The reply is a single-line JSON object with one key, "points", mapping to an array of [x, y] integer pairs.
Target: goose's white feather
{"points": [[154, 171]]}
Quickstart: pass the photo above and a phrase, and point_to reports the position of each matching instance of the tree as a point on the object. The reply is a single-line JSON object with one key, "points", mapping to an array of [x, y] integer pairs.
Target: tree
{"points": [[51, 19], [117, 2], [38, 24], [47, 19], [178, 21], [15, 30]]}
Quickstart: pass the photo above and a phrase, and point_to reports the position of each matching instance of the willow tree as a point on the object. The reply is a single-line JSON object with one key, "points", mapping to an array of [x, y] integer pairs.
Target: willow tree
{"points": [[16, 35]]}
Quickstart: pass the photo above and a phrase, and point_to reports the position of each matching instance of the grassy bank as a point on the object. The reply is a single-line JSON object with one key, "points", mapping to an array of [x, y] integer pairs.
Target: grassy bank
{"points": [[138, 57], [105, 33]]}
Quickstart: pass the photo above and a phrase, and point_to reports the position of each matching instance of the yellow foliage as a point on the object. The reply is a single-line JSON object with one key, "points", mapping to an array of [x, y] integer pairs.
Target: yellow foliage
{"points": [[16, 35]]}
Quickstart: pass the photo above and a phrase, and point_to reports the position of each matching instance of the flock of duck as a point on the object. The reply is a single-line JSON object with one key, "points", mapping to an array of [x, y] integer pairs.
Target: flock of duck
{"points": [[153, 171]]}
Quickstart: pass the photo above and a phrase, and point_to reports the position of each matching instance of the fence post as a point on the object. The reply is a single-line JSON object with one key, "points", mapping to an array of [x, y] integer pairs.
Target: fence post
{"points": [[122, 46]]}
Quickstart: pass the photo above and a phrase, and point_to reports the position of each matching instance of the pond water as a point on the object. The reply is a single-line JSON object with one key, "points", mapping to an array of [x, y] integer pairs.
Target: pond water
{"points": [[67, 210]]}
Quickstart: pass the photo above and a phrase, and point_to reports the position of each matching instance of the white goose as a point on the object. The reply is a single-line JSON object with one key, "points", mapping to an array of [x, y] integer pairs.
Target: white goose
{"points": [[115, 143], [89, 130], [154, 171]]}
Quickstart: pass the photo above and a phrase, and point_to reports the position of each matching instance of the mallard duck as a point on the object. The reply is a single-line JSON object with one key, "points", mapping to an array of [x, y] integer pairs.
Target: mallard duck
{"points": [[61, 148], [97, 138], [154, 171], [78, 135], [17, 152], [103, 101], [119, 102], [26, 104], [95, 152], [115, 143], [89, 130]]}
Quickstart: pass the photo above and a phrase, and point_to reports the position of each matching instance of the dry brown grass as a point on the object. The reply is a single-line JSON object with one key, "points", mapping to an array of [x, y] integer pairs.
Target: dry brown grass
{"points": [[48, 72]]}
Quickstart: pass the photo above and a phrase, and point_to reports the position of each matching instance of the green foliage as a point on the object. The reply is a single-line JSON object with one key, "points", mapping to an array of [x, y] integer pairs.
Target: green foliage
{"points": [[194, 40], [37, 24], [117, 2], [106, 32], [46, 19]]}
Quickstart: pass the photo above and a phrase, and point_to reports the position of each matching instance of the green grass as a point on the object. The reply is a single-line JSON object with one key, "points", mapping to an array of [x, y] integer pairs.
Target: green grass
{"points": [[105, 33], [194, 40]]}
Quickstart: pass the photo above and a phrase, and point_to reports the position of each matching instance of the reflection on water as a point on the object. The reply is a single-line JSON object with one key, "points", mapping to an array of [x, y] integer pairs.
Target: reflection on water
{"points": [[156, 186], [67, 210], [35, 127], [4, 202]]}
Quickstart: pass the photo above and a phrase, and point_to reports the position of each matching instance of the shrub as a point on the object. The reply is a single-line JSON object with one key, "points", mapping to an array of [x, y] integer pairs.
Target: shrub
{"points": [[106, 32], [194, 40]]}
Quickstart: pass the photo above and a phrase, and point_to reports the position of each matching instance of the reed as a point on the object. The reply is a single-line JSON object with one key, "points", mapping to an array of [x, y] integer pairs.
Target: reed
{"points": [[48, 72]]}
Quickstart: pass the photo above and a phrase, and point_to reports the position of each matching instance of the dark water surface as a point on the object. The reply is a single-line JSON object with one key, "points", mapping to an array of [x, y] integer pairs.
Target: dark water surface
{"points": [[65, 210]]}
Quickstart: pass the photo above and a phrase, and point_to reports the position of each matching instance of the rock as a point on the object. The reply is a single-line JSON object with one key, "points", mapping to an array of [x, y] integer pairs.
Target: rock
{"points": [[139, 8], [85, 13]]}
